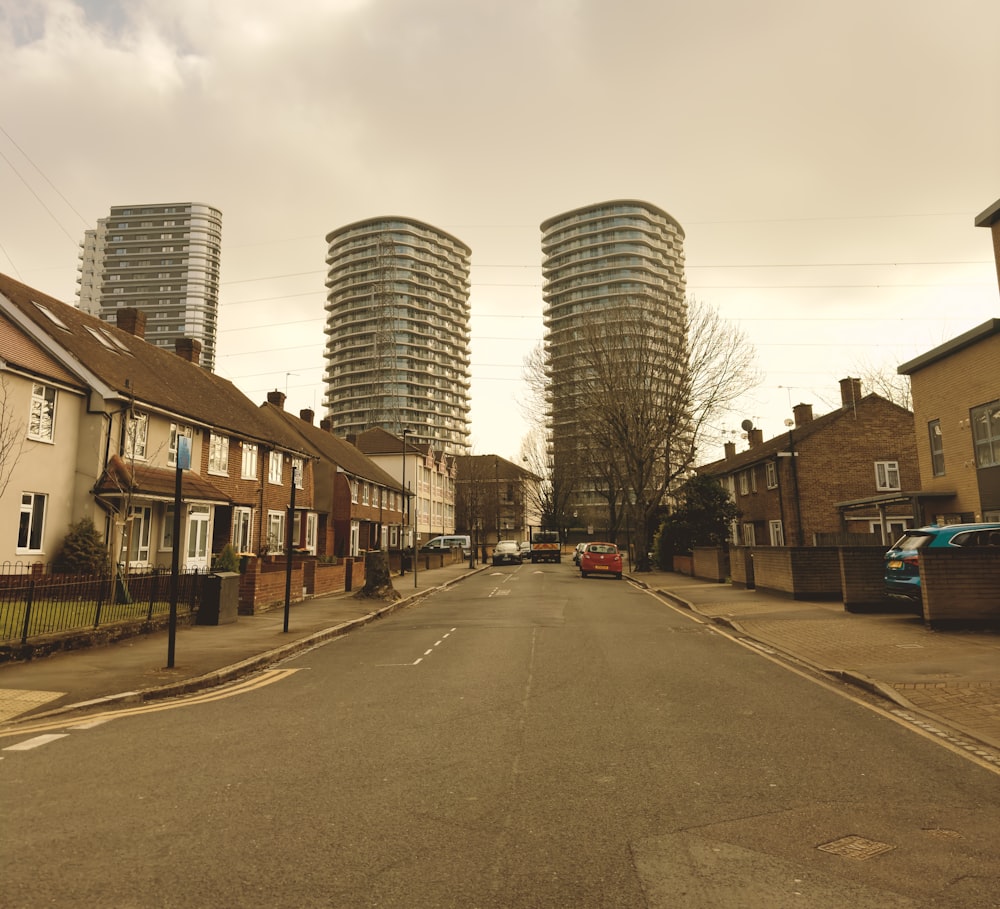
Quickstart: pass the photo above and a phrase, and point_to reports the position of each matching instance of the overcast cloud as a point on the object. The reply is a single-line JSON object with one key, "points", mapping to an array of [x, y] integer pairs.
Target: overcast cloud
{"points": [[825, 160]]}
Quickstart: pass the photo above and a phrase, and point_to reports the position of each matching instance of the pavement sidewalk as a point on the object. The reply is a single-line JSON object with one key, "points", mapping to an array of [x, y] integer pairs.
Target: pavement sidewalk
{"points": [[132, 671], [949, 677]]}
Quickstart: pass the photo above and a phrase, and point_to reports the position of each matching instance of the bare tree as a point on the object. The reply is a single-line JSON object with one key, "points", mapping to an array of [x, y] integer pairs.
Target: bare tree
{"points": [[654, 401], [11, 436], [557, 472], [886, 383]]}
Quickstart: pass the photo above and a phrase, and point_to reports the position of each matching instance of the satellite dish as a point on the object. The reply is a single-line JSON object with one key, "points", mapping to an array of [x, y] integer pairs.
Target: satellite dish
{"points": [[746, 425]]}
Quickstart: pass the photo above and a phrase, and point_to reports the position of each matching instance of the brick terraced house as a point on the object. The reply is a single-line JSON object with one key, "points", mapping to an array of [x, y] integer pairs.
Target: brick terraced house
{"points": [[850, 471]]}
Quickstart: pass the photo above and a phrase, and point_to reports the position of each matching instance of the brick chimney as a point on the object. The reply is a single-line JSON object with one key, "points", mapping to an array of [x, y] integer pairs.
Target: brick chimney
{"points": [[755, 437], [277, 398], [326, 424], [730, 449], [133, 321], [352, 439], [188, 349], [803, 414], [850, 392], [307, 415]]}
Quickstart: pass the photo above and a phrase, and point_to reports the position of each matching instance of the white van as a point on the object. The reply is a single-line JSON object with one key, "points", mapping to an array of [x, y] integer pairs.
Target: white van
{"points": [[454, 541]]}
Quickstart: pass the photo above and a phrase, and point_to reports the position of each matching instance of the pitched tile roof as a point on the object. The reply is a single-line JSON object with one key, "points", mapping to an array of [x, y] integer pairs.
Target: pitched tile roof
{"points": [[770, 447], [332, 448], [134, 369]]}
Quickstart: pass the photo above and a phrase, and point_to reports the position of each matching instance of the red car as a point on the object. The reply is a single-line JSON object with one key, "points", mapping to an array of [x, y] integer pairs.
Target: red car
{"points": [[601, 558]]}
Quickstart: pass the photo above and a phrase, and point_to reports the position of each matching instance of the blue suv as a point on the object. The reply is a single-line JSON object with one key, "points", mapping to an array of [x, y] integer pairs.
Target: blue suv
{"points": [[902, 562]]}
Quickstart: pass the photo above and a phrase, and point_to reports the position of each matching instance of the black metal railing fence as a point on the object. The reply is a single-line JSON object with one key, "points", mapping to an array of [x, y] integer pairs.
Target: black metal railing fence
{"points": [[34, 603]]}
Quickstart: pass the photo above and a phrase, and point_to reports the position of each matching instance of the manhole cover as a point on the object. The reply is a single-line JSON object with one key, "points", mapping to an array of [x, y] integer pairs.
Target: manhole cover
{"points": [[856, 847]]}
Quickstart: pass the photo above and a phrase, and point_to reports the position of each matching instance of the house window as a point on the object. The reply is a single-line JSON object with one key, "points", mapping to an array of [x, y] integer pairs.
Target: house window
{"points": [[167, 534], [771, 474], [248, 466], [354, 491], [243, 529], [297, 471], [753, 479], [42, 419], [937, 447], [364, 493], [748, 534], [31, 522], [275, 465], [176, 430], [777, 533], [218, 454], [135, 436], [744, 484], [138, 536], [311, 524], [986, 434], [276, 531], [886, 476]]}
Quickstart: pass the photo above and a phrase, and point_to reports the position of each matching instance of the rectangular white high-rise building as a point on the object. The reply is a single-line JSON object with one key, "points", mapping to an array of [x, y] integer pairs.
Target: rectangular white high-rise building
{"points": [[163, 260]]}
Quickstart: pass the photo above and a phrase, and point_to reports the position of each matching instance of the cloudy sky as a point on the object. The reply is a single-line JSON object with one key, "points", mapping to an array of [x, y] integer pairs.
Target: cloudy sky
{"points": [[826, 161]]}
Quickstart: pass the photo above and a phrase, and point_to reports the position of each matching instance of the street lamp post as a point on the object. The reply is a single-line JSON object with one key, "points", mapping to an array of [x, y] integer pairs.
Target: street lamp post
{"points": [[402, 551]]}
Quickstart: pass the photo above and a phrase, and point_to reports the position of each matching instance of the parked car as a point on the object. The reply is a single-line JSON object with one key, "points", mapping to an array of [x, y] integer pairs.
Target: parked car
{"points": [[902, 561], [507, 552], [578, 552], [454, 541], [525, 548], [601, 558]]}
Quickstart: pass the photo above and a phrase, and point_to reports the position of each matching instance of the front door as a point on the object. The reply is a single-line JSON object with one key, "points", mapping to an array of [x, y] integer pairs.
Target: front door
{"points": [[199, 528]]}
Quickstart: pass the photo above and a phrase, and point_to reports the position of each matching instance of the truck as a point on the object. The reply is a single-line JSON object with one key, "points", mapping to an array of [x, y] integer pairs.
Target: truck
{"points": [[546, 546]]}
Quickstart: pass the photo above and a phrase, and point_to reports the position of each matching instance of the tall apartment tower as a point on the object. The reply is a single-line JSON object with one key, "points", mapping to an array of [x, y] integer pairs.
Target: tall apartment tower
{"points": [[163, 260], [618, 252], [397, 326]]}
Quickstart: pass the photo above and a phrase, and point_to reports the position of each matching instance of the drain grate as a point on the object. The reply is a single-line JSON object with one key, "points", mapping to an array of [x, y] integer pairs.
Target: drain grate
{"points": [[856, 847]]}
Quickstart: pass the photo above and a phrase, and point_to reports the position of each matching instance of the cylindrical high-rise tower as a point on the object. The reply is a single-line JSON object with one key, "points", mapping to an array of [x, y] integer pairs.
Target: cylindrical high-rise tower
{"points": [[597, 259], [397, 326]]}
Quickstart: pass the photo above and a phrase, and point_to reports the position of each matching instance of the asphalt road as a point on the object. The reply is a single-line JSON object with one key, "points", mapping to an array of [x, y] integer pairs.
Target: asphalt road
{"points": [[524, 739]]}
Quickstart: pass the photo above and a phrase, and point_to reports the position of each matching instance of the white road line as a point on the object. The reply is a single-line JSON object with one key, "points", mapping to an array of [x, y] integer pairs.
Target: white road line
{"points": [[36, 742]]}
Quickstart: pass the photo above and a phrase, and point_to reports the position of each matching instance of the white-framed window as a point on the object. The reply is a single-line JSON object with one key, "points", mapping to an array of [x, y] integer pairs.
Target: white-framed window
{"points": [[364, 494], [748, 534], [744, 483], [136, 430], [138, 535], [218, 454], [354, 491], [42, 419], [276, 531], [176, 430], [297, 470], [771, 474], [753, 479], [886, 476], [167, 530], [248, 463], [31, 522], [243, 529], [275, 466], [777, 533], [311, 532]]}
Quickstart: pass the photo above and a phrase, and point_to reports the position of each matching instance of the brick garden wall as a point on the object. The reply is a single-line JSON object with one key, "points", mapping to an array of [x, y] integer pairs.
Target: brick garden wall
{"points": [[807, 573], [710, 562], [862, 571], [961, 586]]}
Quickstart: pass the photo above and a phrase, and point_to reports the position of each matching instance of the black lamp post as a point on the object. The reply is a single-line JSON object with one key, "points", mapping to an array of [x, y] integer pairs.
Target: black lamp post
{"points": [[402, 553]]}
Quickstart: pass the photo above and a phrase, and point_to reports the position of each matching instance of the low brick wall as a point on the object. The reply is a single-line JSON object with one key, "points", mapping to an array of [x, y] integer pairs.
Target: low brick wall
{"points": [[741, 566], [711, 562], [961, 587], [803, 573], [683, 564], [862, 582], [262, 585]]}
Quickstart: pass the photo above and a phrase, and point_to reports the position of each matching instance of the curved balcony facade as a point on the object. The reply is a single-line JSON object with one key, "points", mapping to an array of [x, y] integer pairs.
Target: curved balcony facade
{"points": [[622, 251], [397, 327]]}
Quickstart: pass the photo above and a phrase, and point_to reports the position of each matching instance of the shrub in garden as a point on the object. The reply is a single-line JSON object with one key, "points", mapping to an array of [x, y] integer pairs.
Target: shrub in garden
{"points": [[82, 551]]}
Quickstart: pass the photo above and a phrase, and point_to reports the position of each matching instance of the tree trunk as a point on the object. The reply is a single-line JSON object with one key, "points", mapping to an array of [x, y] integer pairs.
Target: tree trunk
{"points": [[378, 583]]}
